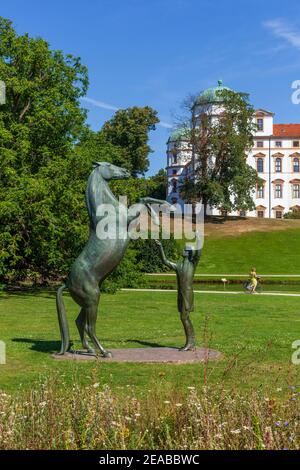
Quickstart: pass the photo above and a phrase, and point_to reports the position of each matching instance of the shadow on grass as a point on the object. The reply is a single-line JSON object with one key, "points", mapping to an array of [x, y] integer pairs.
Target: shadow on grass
{"points": [[50, 347], [147, 343], [220, 219], [45, 294], [40, 345]]}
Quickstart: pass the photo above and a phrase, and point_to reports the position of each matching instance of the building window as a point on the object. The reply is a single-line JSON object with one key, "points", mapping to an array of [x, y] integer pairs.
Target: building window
{"points": [[259, 143], [296, 165], [260, 191], [296, 143], [278, 214], [260, 124], [278, 165], [242, 213], [174, 186], [296, 190], [175, 158], [260, 214], [278, 143], [260, 165], [174, 172], [278, 190]]}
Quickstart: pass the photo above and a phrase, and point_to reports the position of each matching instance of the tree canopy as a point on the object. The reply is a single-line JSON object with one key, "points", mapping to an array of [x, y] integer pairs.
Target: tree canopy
{"points": [[222, 176], [46, 155], [128, 130]]}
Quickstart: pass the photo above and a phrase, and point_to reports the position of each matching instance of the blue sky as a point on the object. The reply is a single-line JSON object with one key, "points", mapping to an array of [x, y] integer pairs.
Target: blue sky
{"points": [[156, 52]]}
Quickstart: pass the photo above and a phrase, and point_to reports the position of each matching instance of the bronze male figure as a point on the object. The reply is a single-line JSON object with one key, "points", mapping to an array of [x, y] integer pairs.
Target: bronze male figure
{"points": [[185, 270]]}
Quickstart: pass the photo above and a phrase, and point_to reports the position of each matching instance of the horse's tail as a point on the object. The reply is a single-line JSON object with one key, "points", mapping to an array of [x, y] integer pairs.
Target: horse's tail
{"points": [[62, 320]]}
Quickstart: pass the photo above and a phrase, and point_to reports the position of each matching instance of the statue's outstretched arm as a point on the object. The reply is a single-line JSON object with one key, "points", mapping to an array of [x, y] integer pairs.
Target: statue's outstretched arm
{"points": [[164, 258]]}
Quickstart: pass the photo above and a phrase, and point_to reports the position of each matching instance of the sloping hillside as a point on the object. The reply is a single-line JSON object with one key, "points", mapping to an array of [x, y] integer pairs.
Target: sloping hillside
{"points": [[232, 247]]}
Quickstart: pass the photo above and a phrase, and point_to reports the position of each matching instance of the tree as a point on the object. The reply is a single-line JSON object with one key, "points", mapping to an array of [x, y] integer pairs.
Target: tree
{"points": [[46, 155], [42, 116], [158, 185], [39, 125], [222, 176], [128, 130]]}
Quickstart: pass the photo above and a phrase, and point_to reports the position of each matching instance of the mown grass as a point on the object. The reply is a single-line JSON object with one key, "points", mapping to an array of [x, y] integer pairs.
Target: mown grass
{"points": [[247, 400], [254, 333], [274, 252]]}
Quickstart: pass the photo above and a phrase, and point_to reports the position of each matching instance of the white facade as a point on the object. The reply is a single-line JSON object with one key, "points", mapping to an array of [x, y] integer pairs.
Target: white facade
{"points": [[275, 155]]}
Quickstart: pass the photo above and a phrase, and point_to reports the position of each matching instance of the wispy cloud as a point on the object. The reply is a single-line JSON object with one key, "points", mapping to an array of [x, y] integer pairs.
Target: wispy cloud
{"points": [[100, 104], [167, 125], [282, 29], [111, 107]]}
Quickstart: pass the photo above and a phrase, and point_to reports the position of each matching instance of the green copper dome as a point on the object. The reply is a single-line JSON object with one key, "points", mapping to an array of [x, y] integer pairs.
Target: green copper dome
{"points": [[181, 133], [211, 95]]}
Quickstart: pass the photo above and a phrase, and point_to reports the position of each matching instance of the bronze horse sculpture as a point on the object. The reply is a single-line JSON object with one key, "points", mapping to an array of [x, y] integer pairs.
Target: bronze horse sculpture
{"points": [[97, 259]]}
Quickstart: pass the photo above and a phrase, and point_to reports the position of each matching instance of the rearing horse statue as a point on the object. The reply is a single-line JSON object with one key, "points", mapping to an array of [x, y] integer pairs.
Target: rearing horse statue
{"points": [[98, 258]]}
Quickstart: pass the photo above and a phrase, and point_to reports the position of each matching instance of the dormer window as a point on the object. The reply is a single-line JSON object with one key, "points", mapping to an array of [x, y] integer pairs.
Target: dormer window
{"points": [[259, 143], [260, 124]]}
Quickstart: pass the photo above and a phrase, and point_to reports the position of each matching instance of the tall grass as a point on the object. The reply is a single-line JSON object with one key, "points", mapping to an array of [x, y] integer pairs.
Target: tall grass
{"points": [[54, 416]]}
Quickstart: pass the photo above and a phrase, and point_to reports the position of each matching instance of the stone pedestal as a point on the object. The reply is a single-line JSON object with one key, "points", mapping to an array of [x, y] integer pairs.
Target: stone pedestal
{"points": [[148, 355]]}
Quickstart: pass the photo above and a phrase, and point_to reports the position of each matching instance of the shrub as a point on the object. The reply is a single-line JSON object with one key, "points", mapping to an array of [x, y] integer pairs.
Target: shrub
{"points": [[292, 215], [149, 257]]}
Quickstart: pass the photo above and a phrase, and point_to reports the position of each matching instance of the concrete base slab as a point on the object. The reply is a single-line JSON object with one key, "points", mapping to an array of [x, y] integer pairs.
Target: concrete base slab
{"points": [[151, 355]]}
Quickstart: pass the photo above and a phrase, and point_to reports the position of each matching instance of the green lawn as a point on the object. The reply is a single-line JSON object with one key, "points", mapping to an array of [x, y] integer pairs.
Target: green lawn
{"points": [[274, 252], [254, 333]]}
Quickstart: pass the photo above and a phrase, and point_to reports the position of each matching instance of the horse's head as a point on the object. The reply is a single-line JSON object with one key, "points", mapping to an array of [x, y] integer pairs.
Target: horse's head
{"points": [[108, 171]]}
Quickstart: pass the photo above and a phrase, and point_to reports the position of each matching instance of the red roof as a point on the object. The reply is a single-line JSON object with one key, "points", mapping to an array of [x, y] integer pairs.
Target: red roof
{"points": [[286, 130]]}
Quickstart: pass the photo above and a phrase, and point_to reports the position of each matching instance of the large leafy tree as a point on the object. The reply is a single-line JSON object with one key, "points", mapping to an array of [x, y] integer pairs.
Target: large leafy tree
{"points": [[42, 116], [222, 176], [40, 176], [46, 155], [129, 130]]}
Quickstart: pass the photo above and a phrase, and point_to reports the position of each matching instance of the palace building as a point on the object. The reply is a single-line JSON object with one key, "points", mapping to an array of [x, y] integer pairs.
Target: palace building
{"points": [[275, 156]]}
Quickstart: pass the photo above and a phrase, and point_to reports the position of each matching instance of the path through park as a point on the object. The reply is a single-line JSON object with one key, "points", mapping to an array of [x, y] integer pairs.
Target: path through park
{"points": [[280, 294]]}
